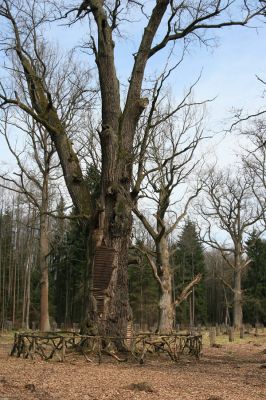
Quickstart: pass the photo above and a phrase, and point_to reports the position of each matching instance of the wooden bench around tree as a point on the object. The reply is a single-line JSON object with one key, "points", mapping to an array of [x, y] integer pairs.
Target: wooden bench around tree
{"points": [[58, 345]]}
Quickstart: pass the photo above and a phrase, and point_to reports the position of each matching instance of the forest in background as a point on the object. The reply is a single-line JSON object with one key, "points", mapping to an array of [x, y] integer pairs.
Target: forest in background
{"points": [[209, 303]]}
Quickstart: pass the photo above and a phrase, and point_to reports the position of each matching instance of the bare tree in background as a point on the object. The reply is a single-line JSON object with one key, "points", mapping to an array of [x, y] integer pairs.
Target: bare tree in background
{"points": [[230, 209], [36, 166], [36, 162], [164, 22], [254, 158], [218, 281], [165, 178], [18, 257]]}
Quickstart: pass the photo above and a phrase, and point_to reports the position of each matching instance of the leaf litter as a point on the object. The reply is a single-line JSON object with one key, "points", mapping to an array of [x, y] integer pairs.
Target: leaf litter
{"points": [[232, 372]]}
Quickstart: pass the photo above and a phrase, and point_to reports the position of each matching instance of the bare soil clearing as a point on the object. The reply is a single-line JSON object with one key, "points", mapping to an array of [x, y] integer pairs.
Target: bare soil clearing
{"points": [[234, 371]]}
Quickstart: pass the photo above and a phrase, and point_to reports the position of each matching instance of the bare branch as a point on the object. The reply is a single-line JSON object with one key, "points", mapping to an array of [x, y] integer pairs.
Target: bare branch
{"points": [[188, 290]]}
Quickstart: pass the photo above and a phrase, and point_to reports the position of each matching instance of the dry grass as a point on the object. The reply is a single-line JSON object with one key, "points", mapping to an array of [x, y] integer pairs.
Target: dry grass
{"points": [[231, 372]]}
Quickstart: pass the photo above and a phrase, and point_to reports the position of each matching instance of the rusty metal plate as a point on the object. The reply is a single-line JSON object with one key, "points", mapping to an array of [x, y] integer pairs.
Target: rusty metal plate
{"points": [[103, 268]]}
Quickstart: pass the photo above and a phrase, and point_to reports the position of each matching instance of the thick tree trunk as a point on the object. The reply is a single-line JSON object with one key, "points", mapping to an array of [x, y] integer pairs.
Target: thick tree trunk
{"points": [[112, 227], [166, 305], [117, 312]]}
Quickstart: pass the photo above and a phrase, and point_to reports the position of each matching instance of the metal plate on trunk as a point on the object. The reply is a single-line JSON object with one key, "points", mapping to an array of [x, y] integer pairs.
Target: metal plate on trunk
{"points": [[103, 268]]}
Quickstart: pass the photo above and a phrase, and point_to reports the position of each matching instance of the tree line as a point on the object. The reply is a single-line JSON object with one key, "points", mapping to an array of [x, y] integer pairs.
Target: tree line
{"points": [[208, 303]]}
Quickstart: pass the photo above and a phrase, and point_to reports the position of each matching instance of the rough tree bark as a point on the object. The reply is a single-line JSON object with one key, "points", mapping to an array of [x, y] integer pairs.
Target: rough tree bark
{"points": [[166, 304]]}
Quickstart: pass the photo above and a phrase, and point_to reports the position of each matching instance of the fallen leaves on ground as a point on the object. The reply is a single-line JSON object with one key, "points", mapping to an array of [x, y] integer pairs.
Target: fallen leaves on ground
{"points": [[231, 372]]}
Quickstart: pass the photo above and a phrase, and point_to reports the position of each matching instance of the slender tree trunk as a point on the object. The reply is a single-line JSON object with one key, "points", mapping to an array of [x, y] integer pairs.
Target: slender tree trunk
{"points": [[141, 298], [237, 307], [227, 314], [26, 293], [27, 313], [44, 250], [3, 290], [11, 265], [3, 299], [24, 298], [14, 294], [237, 290], [66, 319], [190, 311]]}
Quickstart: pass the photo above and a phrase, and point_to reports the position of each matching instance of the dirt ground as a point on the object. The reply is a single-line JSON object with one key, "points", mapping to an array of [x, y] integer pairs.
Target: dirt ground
{"points": [[235, 371]]}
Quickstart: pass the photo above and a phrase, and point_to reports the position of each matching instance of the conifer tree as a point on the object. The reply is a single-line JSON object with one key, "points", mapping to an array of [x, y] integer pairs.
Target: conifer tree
{"points": [[69, 265], [68, 268], [143, 294], [189, 261]]}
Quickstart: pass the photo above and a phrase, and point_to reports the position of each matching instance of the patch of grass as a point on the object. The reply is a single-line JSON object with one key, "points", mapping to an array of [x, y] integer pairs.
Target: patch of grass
{"points": [[223, 339], [7, 337]]}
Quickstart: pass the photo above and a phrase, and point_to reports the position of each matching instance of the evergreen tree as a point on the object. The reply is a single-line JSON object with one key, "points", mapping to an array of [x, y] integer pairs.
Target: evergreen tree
{"points": [[143, 294], [6, 264], [188, 261], [255, 282], [68, 267], [219, 296]]}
